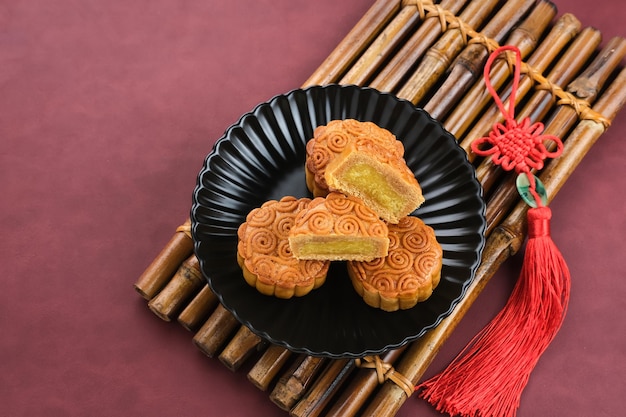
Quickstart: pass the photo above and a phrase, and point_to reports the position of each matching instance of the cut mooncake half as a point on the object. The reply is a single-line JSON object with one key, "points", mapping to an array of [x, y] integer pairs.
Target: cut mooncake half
{"points": [[264, 255], [407, 275], [331, 139], [338, 227], [380, 178]]}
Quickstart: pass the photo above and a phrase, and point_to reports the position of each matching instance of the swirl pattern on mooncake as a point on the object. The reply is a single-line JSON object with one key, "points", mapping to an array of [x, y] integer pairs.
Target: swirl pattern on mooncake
{"points": [[407, 275], [332, 139], [338, 227], [264, 254]]}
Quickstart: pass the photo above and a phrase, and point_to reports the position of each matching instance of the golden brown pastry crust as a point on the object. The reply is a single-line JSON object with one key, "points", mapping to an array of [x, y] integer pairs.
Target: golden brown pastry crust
{"points": [[407, 275], [338, 227], [331, 139], [264, 255]]}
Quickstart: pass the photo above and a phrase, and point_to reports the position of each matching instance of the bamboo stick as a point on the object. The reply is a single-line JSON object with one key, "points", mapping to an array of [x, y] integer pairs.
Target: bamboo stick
{"points": [[469, 65], [268, 366], [382, 46], [472, 105], [360, 388], [240, 348], [161, 269], [296, 380], [542, 100], [412, 50], [598, 72], [438, 58], [505, 240], [215, 332], [198, 309], [353, 44], [318, 397], [184, 284]]}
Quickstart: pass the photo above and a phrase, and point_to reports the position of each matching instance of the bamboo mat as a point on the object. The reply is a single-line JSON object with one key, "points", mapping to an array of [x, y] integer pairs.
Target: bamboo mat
{"points": [[433, 54]]}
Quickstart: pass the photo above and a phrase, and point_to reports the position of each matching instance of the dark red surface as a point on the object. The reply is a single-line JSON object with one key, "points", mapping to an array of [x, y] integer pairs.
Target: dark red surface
{"points": [[107, 111]]}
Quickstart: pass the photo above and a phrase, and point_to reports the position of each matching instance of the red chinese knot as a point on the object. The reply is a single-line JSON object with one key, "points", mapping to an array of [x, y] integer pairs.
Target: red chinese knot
{"points": [[512, 145]]}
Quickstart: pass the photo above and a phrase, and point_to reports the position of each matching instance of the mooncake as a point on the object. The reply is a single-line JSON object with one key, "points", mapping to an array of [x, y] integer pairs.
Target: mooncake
{"points": [[331, 139], [380, 178], [338, 227], [407, 275], [264, 254]]}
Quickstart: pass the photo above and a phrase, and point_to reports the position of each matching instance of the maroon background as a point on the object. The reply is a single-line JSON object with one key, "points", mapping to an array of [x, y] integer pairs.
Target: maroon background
{"points": [[107, 109]]}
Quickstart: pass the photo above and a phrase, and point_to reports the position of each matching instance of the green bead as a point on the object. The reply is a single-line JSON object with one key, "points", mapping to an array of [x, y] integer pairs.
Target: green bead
{"points": [[523, 188]]}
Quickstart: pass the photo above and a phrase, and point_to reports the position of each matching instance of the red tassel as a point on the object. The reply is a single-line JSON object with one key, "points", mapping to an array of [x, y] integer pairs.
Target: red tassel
{"points": [[488, 377]]}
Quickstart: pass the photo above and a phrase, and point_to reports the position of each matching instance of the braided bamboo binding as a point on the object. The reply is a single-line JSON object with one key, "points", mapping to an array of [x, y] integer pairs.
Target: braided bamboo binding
{"points": [[449, 20], [386, 372]]}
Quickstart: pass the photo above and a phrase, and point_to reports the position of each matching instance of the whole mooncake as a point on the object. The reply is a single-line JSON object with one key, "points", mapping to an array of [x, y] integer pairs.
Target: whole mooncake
{"points": [[264, 255], [338, 227], [407, 275], [331, 140]]}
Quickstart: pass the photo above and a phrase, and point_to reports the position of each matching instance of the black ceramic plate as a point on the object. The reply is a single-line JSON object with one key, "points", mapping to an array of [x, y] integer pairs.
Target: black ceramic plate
{"points": [[261, 158]]}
